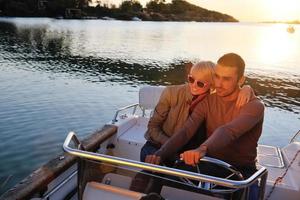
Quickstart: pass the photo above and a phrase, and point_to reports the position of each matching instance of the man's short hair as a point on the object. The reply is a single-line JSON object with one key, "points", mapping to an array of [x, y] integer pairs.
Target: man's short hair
{"points": [[233, 60]]}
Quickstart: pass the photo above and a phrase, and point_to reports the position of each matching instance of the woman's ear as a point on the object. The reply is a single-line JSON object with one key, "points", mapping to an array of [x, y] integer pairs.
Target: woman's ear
{"points": [[241, 81]]}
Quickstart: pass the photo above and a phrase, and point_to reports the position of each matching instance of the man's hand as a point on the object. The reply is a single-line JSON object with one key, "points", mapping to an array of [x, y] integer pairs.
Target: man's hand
{"points": [[244, 97], [153, 159], [192, 157]]}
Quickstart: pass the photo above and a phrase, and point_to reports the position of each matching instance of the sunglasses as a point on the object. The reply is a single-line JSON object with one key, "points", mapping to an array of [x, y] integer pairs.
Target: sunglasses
{"points": [[200, 84]]}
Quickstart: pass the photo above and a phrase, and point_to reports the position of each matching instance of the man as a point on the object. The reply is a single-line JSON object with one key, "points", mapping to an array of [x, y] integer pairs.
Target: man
{"points": [[232, 133]]}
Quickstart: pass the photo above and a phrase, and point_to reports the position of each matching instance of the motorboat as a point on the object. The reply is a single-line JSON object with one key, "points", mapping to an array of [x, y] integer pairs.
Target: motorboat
{"points": [[290, 29], [135, 19], [105, 165], [108, 18]]}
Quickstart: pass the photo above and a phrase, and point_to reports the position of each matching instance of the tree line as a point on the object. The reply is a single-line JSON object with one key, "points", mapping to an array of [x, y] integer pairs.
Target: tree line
{"points": [[155, 10]]}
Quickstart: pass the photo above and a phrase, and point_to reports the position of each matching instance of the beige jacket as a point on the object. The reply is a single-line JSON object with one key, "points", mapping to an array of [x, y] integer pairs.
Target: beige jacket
{"points": [[170, 113]]}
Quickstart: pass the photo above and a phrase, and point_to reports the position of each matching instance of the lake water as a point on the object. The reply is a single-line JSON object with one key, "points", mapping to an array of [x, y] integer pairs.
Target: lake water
{"points": [[63, 75]]}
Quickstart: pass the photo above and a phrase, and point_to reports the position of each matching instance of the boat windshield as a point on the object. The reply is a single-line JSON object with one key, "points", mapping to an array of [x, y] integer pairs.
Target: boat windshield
{"points": [[140, 183], [103, 172]]}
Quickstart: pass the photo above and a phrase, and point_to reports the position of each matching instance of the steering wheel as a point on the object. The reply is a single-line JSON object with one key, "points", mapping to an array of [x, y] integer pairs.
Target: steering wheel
{"points": [[212, 167]]}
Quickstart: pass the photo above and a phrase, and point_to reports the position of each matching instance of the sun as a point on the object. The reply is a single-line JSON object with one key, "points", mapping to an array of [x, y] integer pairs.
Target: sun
{"points": [[282, 10]]}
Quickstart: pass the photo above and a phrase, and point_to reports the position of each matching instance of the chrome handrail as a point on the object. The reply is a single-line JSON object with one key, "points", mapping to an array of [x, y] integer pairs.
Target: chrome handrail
{"points": [[162, 169], [114, 120]]}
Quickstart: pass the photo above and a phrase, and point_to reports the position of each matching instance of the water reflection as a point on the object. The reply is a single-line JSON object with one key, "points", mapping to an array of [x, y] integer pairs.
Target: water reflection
{"points": [[277, 92], [44, 49], [32, 42]]}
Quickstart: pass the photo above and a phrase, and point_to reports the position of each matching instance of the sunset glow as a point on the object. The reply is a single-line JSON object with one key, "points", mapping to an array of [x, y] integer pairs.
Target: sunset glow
{"points": [[255, 10], [279, 10]]}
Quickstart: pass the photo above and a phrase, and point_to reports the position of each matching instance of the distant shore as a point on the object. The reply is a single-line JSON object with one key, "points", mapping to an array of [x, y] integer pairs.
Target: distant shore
{"points": [[282, 22], [155, 10]]}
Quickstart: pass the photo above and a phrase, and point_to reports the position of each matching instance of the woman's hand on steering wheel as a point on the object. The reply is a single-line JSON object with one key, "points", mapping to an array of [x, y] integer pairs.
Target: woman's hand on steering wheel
{"points": [[192, 157]]}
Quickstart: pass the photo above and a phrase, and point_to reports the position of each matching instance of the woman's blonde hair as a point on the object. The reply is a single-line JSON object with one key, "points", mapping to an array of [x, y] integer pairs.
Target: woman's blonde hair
{"points": [[208, 70]]}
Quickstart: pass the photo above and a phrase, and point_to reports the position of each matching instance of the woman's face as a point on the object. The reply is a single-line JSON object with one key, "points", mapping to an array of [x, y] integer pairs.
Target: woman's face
{"points": [[199, 83]]}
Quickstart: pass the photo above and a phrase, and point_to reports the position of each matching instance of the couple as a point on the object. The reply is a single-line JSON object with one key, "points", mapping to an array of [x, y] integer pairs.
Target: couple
{"points": [[232, 124]]}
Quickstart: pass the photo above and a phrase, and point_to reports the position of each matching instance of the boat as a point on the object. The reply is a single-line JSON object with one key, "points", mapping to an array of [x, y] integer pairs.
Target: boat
{"points": [[290, 29], [59, 17], [89, 17], [135, 19], [103, 166], [108, 18], [73, 13]]}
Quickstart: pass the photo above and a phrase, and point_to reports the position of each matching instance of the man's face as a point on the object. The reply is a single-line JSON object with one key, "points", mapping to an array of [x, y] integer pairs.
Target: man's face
{"points": [[226, 80]]}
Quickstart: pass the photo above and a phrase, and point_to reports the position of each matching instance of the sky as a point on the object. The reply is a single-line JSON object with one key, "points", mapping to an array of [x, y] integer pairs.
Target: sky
{"points": [[246, 10]]}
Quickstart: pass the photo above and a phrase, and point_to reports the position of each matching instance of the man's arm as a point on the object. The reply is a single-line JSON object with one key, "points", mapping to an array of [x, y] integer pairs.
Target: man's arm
{"points": [[249, 116], [155, 132]]}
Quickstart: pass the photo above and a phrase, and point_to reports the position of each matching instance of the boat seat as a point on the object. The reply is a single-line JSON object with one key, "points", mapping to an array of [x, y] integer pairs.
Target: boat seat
{"points": [[94, 190], [149, 96]]}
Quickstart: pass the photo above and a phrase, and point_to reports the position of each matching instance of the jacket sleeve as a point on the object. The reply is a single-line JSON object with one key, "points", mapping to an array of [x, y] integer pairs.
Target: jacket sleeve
{"points": [[155, 131], [250, 115], [180, 138]]}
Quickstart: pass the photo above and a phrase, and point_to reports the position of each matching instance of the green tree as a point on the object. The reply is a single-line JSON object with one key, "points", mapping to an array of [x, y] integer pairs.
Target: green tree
{"points": [[156, 6], [19, 7], [83, 3], [179, 6], [131, 6]]}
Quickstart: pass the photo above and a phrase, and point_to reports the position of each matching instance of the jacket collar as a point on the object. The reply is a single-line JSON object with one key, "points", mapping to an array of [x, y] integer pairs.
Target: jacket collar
{"points": [[188, 94]]}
